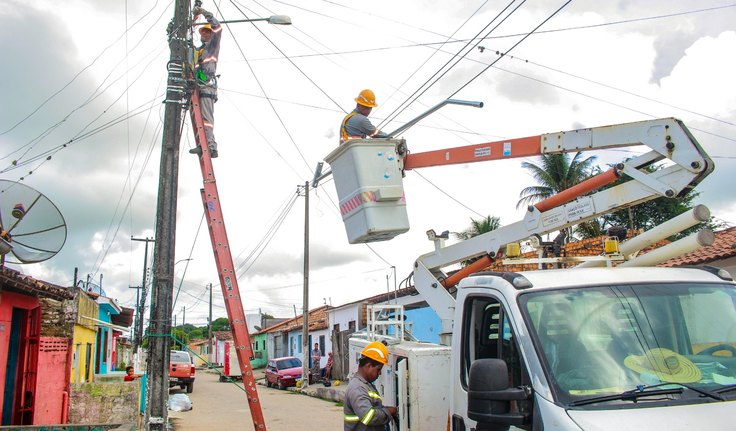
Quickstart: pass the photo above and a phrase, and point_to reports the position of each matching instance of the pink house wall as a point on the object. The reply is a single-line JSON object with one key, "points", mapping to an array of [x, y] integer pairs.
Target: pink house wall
{"points": [[8, 301], [53, 367]]}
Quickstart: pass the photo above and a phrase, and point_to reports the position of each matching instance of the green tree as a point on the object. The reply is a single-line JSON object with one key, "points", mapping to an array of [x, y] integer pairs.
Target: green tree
{"points": [[197, 334], [643, 216], [179, 340], [478, 227], [221, 324], [555, 174]]}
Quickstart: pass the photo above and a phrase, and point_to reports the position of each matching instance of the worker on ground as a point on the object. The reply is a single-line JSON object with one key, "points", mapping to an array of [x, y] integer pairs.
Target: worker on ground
{"points": [[363, 407], [356, 124], [205, 59]]}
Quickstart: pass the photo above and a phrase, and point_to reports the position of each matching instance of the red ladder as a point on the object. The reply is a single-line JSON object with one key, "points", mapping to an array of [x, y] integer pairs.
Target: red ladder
{"points": [[225, 266]]}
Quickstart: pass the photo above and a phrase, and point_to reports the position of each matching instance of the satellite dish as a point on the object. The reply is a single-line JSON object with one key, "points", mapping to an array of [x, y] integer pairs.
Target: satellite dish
{"points": [[31, 227]]}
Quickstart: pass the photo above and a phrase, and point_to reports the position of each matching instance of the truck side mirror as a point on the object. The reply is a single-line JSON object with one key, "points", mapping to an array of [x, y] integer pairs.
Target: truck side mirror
{"points": [[489, 396]]}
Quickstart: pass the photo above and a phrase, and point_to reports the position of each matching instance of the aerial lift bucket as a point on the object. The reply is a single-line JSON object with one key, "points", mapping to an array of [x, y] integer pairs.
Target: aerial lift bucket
{"points": [[369, 182]]}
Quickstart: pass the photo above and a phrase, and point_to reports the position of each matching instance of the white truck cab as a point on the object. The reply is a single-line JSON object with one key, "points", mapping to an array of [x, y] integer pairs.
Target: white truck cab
{"points": [[595, 349]]}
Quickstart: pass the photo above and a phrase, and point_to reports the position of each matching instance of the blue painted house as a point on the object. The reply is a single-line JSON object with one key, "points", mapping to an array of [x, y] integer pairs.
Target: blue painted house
{"points": [[105, 346]]}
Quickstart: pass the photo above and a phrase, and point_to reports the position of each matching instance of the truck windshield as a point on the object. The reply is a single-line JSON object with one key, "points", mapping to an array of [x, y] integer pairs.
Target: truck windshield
{"points": [[595, 341]]}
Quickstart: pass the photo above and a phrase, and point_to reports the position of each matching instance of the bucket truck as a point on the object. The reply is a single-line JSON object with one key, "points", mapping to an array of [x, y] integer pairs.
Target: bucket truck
{"points": [[587, 348]]}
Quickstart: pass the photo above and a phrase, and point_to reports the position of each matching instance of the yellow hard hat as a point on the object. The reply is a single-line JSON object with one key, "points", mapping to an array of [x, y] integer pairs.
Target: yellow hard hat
{"points": [[376, 350], [366, 98], [207, 26]]}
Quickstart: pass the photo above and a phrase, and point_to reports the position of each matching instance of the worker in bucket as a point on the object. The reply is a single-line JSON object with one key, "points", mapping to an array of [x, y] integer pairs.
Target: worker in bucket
{"points": [[356, 124], [205, 59], [363, 408]]}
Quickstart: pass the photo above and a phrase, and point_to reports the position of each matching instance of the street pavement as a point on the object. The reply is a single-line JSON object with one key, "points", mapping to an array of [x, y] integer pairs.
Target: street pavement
{"points": [[223, 406]]}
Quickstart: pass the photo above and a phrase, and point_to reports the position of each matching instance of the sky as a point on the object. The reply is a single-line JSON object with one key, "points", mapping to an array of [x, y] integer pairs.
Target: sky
{"points": [[83, 87]]}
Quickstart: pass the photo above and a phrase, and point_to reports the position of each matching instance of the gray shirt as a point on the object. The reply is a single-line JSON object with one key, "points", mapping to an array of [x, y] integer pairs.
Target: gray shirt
{"points": [[358, 126], [363, 407]]}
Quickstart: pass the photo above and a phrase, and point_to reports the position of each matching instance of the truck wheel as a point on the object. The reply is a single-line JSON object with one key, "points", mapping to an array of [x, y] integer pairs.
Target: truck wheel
{"points": [[190, 387], [222, 378], [183, 385], [268, 384]]}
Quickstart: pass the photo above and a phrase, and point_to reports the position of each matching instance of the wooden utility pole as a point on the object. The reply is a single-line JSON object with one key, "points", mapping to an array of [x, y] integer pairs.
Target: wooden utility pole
{"points": [[163, 258], [305, 302]]}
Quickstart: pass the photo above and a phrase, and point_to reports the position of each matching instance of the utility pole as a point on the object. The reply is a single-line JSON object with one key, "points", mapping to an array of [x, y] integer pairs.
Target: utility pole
{"points": [[163, 258], [141, 295], [209, 331], [183, 315], [305, 301], [134, 337]]}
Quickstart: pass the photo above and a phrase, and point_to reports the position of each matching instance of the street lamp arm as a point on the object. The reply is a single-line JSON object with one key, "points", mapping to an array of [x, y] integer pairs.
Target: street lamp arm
{"points": [[274, 19]]}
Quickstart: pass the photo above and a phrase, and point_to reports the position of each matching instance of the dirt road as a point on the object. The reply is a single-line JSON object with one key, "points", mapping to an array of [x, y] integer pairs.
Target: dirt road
{"points": [[222, 406]]}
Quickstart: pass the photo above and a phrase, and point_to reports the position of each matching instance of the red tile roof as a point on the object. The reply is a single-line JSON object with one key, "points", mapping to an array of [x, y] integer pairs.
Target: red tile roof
{"points": [[723, 247], [15, 281], [317, 320]]}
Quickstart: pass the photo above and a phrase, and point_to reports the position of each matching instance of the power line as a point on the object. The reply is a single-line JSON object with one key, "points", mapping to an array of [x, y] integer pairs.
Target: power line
{"points": [[445, 68], [52, 96]]}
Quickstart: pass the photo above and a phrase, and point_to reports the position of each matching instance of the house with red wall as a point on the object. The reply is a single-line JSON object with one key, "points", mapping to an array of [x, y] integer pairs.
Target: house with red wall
{"points": [[36, 323]]}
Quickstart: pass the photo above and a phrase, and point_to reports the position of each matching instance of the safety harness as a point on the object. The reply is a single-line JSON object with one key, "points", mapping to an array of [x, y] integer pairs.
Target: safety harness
{"points": [[343, 132]]}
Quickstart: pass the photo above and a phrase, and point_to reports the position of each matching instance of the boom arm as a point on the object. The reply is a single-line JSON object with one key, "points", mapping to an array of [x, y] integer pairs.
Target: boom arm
{"points": [[666, 138]]}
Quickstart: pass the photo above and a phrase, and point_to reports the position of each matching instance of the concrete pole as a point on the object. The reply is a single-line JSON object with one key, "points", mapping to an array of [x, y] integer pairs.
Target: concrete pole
{"points": [[141, 295], [209, 331], [163, 258], [305, 301]]}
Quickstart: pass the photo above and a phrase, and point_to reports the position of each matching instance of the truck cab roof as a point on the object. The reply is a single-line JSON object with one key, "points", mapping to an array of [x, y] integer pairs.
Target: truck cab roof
{"points": [[556, 278]]}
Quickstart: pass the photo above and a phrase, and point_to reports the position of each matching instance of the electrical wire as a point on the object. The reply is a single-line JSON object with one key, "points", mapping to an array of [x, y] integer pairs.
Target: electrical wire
{"points": [[512, 48], [263, 90], [52, 96], [445, 68], [189, 258]]}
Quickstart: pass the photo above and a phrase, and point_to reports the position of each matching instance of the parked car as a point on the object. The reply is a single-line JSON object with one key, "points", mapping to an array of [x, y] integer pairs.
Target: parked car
{"points": [[181, 370], [283, 372]]}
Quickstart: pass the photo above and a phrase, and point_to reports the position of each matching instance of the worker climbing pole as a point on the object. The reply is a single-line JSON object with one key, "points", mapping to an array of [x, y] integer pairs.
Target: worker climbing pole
{"points": [[216, 225]]}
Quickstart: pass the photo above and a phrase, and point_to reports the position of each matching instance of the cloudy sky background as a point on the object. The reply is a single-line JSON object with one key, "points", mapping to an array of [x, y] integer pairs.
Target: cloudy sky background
{"points": [[78, 88]]}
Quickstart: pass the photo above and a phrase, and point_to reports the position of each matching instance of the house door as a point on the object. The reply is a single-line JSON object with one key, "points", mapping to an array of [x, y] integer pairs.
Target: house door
{"points": [[98, 358], [20, 376]]}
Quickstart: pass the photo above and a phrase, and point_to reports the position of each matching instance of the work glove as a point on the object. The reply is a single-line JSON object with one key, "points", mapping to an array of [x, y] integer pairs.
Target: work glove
{"points": [[198, 11]]}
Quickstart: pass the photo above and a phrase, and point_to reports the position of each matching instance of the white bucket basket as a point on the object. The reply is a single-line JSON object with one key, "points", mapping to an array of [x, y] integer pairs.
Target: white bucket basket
{"points": [[367, 174]]}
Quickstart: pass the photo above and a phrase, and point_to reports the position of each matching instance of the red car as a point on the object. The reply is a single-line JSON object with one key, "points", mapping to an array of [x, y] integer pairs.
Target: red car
{"points": [[283, 372]]}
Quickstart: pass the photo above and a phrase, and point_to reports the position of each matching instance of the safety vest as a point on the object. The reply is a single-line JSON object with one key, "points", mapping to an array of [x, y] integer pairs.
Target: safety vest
{"points": [[343, 132]]}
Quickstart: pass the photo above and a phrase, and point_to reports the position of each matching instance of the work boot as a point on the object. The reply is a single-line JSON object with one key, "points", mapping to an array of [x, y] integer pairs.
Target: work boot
{"points": [[213, 153], [196, 150]]}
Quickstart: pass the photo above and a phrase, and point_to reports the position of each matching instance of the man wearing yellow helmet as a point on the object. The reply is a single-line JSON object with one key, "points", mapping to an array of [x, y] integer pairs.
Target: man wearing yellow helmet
{"points": [[205, 75], [356, 124], [363, 407]]}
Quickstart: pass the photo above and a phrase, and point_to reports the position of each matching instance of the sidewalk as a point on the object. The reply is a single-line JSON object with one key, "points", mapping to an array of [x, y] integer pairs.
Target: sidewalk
{"points": [[335, 393]]}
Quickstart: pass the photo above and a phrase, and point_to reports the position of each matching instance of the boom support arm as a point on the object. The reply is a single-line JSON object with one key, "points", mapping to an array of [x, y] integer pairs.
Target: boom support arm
{"points": [[666, 138]]}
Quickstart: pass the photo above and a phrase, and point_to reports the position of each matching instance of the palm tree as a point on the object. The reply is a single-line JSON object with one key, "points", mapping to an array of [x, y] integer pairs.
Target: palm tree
{"points": [[478, 227], [556, 173]]}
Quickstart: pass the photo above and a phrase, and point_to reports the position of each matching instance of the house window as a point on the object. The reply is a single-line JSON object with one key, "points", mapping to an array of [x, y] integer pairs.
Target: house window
{"points": [[299, 344], [264, 345], [322, 344]]}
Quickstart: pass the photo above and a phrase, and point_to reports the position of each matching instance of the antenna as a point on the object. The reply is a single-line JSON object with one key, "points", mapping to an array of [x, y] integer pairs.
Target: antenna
{"points": [[32, 228]]}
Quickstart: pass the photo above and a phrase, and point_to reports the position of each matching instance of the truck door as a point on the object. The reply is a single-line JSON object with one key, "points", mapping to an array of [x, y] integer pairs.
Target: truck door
{"points": [[486, 332]]}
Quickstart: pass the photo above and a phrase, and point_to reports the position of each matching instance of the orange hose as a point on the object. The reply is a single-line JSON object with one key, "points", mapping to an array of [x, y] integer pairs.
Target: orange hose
{"points": [[577, 190], [474, 267]]}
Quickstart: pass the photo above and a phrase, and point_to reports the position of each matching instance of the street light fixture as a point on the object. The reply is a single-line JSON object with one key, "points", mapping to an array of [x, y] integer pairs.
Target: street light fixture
{"points": [[273, 19]]}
